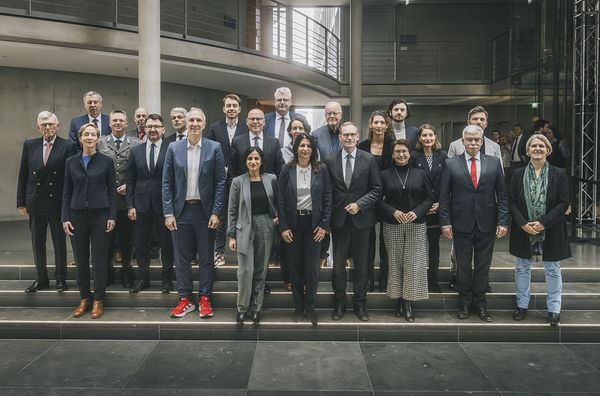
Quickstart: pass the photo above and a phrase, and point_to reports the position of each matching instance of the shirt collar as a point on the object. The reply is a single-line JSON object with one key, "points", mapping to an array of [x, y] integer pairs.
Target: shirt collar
{"points": [[234, 124], [122, 138], [352, 153], [285, 117], [51, 141], [199, 145], [260, 135], [477, 157]]}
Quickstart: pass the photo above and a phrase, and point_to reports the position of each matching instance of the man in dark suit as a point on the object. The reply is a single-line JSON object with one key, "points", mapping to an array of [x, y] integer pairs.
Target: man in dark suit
{"points": [[356, 187], [474, 210], [273, 161], [399, 112], [327, 137], [223, 131], [39, 193], [118, 146], [144, 203], [177, 115], [92, 101], [276, 123], [193, 195], [140, 114]]}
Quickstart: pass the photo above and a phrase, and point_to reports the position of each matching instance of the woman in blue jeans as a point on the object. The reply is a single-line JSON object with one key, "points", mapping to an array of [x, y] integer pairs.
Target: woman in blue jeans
{"points": [[539, 198]]}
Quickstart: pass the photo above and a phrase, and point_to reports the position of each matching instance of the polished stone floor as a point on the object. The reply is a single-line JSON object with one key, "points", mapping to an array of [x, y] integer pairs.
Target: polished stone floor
{"points": [[29, 367]]}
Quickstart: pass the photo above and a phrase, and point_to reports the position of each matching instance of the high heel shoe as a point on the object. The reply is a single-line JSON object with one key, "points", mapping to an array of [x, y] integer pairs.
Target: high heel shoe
{"points": [[400, 308], [408, 311]]}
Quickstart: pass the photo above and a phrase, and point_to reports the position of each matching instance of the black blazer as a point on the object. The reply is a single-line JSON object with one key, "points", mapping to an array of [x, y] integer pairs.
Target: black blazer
{"points": [[144, 189], [91, 188], [320, 194], [40, 187], [435, 174], [217, 132], [556, 245], [420, 194], [386, 154], [273, 161], [365, 189], [467, 209]]}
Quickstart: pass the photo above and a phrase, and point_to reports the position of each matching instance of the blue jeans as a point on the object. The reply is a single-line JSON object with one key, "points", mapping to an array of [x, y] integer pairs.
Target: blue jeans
{"points": [[553, 283]]}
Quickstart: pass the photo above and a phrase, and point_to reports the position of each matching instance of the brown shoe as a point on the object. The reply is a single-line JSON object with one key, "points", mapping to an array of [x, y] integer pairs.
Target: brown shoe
{"points": [[97, 309], [84, 305], [117, 258], [287, 286]]}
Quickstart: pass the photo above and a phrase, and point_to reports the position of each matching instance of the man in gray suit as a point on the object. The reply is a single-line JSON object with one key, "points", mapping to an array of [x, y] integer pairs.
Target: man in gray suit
{"points": [[118, 146]]}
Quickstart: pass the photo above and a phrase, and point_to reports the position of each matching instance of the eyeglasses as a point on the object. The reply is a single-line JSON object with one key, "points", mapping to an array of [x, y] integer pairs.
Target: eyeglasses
{"points": [[333, 113], [472, 140], [255, 119], [154, 127], [48, 125], [349, 135]]}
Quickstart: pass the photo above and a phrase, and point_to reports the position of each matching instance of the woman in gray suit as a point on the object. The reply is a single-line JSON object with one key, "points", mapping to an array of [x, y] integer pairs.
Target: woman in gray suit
{"points": [[252, 217]]}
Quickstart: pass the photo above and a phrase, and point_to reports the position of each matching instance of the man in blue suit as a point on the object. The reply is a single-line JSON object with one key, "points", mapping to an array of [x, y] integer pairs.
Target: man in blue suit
{"points": [[276, 123], [92, 101], [327, 137], [193, 193]]}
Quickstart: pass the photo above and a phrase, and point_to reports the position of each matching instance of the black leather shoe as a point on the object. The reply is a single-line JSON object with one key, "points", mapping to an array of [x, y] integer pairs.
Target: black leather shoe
{"points": [[519, 314], [400, 308], [338, 312], [489, 288], [267, 288], [139, 286], [464, 312], [483, 314], [127, 279], [298, 315], [361, 313], [409, 314], [35, 286], [256, 318], [313, 317], [167, 286], [553, 318], [452, 283], [61, 286], [240, 317]]}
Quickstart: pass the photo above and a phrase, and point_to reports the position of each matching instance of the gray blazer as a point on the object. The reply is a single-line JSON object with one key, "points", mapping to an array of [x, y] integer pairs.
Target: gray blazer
{"points": [[239, 215], [491, 148]]}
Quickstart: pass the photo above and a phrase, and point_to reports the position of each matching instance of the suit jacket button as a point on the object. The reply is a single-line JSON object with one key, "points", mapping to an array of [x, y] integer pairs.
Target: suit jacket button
{"points": [[50, 183], [34, 172], [38, 184], [50, 195], [55, 172]]}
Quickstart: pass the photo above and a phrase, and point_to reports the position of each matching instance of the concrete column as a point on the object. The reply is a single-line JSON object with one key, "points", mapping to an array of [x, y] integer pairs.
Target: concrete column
{"points": [[149, 54], [356, 63]]}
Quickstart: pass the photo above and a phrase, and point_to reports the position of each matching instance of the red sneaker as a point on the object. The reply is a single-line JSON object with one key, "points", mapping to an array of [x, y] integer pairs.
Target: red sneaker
{"points": [[205, 308], [184, 307]]}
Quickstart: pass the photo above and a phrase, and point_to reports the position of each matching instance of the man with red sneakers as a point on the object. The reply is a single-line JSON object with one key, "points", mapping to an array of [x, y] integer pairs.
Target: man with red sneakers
{"points": [[193, 196]]}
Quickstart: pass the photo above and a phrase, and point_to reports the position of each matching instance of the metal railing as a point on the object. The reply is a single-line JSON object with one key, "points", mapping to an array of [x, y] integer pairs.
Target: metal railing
{"points": [[244, 25]]}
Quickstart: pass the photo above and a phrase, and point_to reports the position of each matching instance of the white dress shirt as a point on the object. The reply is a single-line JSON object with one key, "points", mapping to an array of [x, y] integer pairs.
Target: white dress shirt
{"points": [[345, 158], [156, 151], [477, 163], [260, 139], [231, 129], [193, 166]]}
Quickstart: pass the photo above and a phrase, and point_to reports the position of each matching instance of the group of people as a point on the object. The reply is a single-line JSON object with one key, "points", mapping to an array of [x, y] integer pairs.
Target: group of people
{"points": [[272, 186]]}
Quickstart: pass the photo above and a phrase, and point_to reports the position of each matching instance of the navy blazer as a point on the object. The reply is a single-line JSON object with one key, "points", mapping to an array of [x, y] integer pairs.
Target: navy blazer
{"points": [[365, 189], [91, 188], [273, 160], [437, 167], [320, 194], [144, 189], [211, 178], [217, 132], [270, 128], [322, 136], [40, 187], [77, 122], [468, 209]]}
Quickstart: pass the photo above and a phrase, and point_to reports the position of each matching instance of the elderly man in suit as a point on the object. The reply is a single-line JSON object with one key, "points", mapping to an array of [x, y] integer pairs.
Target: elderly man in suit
{"points": [[223, 131], [118, 146], [92, 101], [276, 123], [474, 211], [356, 187], [144, 203], [399, 113], [177, 116], [139, 132], [327, 137], [193, 195], [39, 193], [477, 116]]}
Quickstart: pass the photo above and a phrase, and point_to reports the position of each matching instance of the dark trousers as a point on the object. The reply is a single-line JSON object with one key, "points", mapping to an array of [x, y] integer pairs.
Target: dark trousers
{"points": [[473, 253], [193, 233], [383, 256], [350, 241], [122, 240], [433, 241], [38, 225], [145, 225], [90, 226], [285, 259], [304, 264], [325, 243]]}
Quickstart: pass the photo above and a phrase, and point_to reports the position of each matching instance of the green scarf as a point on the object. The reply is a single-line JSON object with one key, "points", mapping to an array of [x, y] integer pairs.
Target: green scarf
{"points": [[535, 196]]}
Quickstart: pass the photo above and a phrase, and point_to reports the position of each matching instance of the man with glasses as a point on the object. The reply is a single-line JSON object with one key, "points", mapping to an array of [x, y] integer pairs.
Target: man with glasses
{"points": [[356, 187], [474, 211], [327, 137], [276, 122], [39, 195]]}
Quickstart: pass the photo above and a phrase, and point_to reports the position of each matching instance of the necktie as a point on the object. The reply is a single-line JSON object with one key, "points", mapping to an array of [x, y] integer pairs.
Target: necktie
{"points": [[47, 153], [255, 141], [95, 121], [141, 134], [118, 143], [348, 175], [152, 157], [474, 172], [281, 132], [514, 148], [181, 136]]}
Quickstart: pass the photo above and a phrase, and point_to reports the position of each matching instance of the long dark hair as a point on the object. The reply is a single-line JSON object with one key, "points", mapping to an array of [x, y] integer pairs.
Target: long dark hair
{"points": [[314, 162], [249, 151]]}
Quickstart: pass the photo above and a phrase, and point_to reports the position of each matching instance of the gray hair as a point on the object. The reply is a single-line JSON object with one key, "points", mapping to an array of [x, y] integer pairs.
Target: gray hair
{"points": [[44, 115], [198, 109], [332, 104], [283, 90], [178, 110], [92, 93], [472, 129]]}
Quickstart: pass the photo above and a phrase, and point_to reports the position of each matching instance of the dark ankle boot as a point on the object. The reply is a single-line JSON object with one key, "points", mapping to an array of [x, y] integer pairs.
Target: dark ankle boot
{"points": [[400, 308], [409, 314]]}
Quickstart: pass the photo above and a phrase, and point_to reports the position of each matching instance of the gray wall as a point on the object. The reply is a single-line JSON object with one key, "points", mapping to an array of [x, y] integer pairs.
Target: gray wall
{"points": [[25, 92]]}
